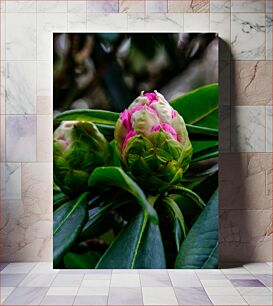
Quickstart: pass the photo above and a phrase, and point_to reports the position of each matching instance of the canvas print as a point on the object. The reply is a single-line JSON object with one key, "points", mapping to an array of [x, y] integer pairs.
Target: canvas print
{"points": [[135, 150]]}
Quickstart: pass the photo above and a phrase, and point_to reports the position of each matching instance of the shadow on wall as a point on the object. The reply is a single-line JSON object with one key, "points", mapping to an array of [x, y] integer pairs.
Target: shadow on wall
{"points": [[239, 240]]}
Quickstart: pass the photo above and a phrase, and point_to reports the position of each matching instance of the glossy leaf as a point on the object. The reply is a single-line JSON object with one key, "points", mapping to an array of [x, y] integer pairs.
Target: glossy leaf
{"points": [[115, 176], [97, 217], [199, 107], [87, 260], [138, 246], [96, 116], [201, 146], [200, 249], [180, 230], [68, 222]]}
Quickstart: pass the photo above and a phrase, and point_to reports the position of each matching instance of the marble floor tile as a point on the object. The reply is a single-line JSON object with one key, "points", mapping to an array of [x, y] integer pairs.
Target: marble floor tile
{"points": [[3, 37], [196, 22], [3, 265], [38, 280], [44, 138], [47, 23], [76, 6], [106, 22], [20, 36], [252, 291], [5, 292], [97, 276], [125, 296], [155, 280], [62, 291], [67, 280], [12, 174], [125, 280], [159, 296], [266, 279], [96, 283], [20, 88], [188, 6], [161, 22], [11, 280], [20, 267], [259, 299], [21, 138], [43, 267], [184, 280], [192, 296], [246, 283], [268, 110], [212, 291], [86, 291], [156, 6], [131, 6], [248, 36], [251, 83], [258, 268], [248, 129], [77, 22], [220, 23], [240, 276], [268, 25], [216, 283], [227, 300], [102, 6], [90, 300], [20, 6], [26, 296], [249, 6], [220, 6], [58, 6], [58, 300]]}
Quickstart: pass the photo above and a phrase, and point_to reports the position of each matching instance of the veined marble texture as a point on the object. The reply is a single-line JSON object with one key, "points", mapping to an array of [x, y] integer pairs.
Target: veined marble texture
{"points": [[245, 117], [161, 22], [20, 138], [102, 6], [250, 6], [248, 36], [131, 6], [20, 93], [21, 36], [220, 6], [47, 23], [248, 129], [58, 6]]}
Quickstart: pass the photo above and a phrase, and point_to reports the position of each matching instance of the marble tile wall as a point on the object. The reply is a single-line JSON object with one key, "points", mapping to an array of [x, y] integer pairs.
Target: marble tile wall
{"points": [[245, 28]]}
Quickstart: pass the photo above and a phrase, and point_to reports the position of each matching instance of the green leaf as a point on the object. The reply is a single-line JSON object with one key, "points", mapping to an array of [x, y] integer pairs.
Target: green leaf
{"points": [[180, 230], [199, 107], [201, 130], [87, 260], [115, 176], [200, 249], [68, 222], [138, 246], [96, 221], [203, 145], [59, 198], [205, 156], [187, 193], [100, 117]]}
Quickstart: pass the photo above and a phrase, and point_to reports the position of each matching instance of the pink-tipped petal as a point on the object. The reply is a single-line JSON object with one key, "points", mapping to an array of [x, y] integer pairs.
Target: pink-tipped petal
{"points": [[151, 96], [166, 128], [128, 136], [140, 107], [125, 118], [174, 113]]}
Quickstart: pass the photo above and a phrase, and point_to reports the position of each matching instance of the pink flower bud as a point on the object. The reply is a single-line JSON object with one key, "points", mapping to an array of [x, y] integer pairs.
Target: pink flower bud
{"points": [[166, 128]]}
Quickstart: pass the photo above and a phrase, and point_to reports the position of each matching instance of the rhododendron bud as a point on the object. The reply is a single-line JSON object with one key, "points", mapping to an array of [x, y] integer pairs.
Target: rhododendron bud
{"points": [[152, 142], [78, 148]]}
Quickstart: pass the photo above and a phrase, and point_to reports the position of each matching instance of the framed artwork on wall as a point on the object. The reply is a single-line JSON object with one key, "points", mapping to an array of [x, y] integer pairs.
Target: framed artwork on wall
{"points": [[135, 150]]}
